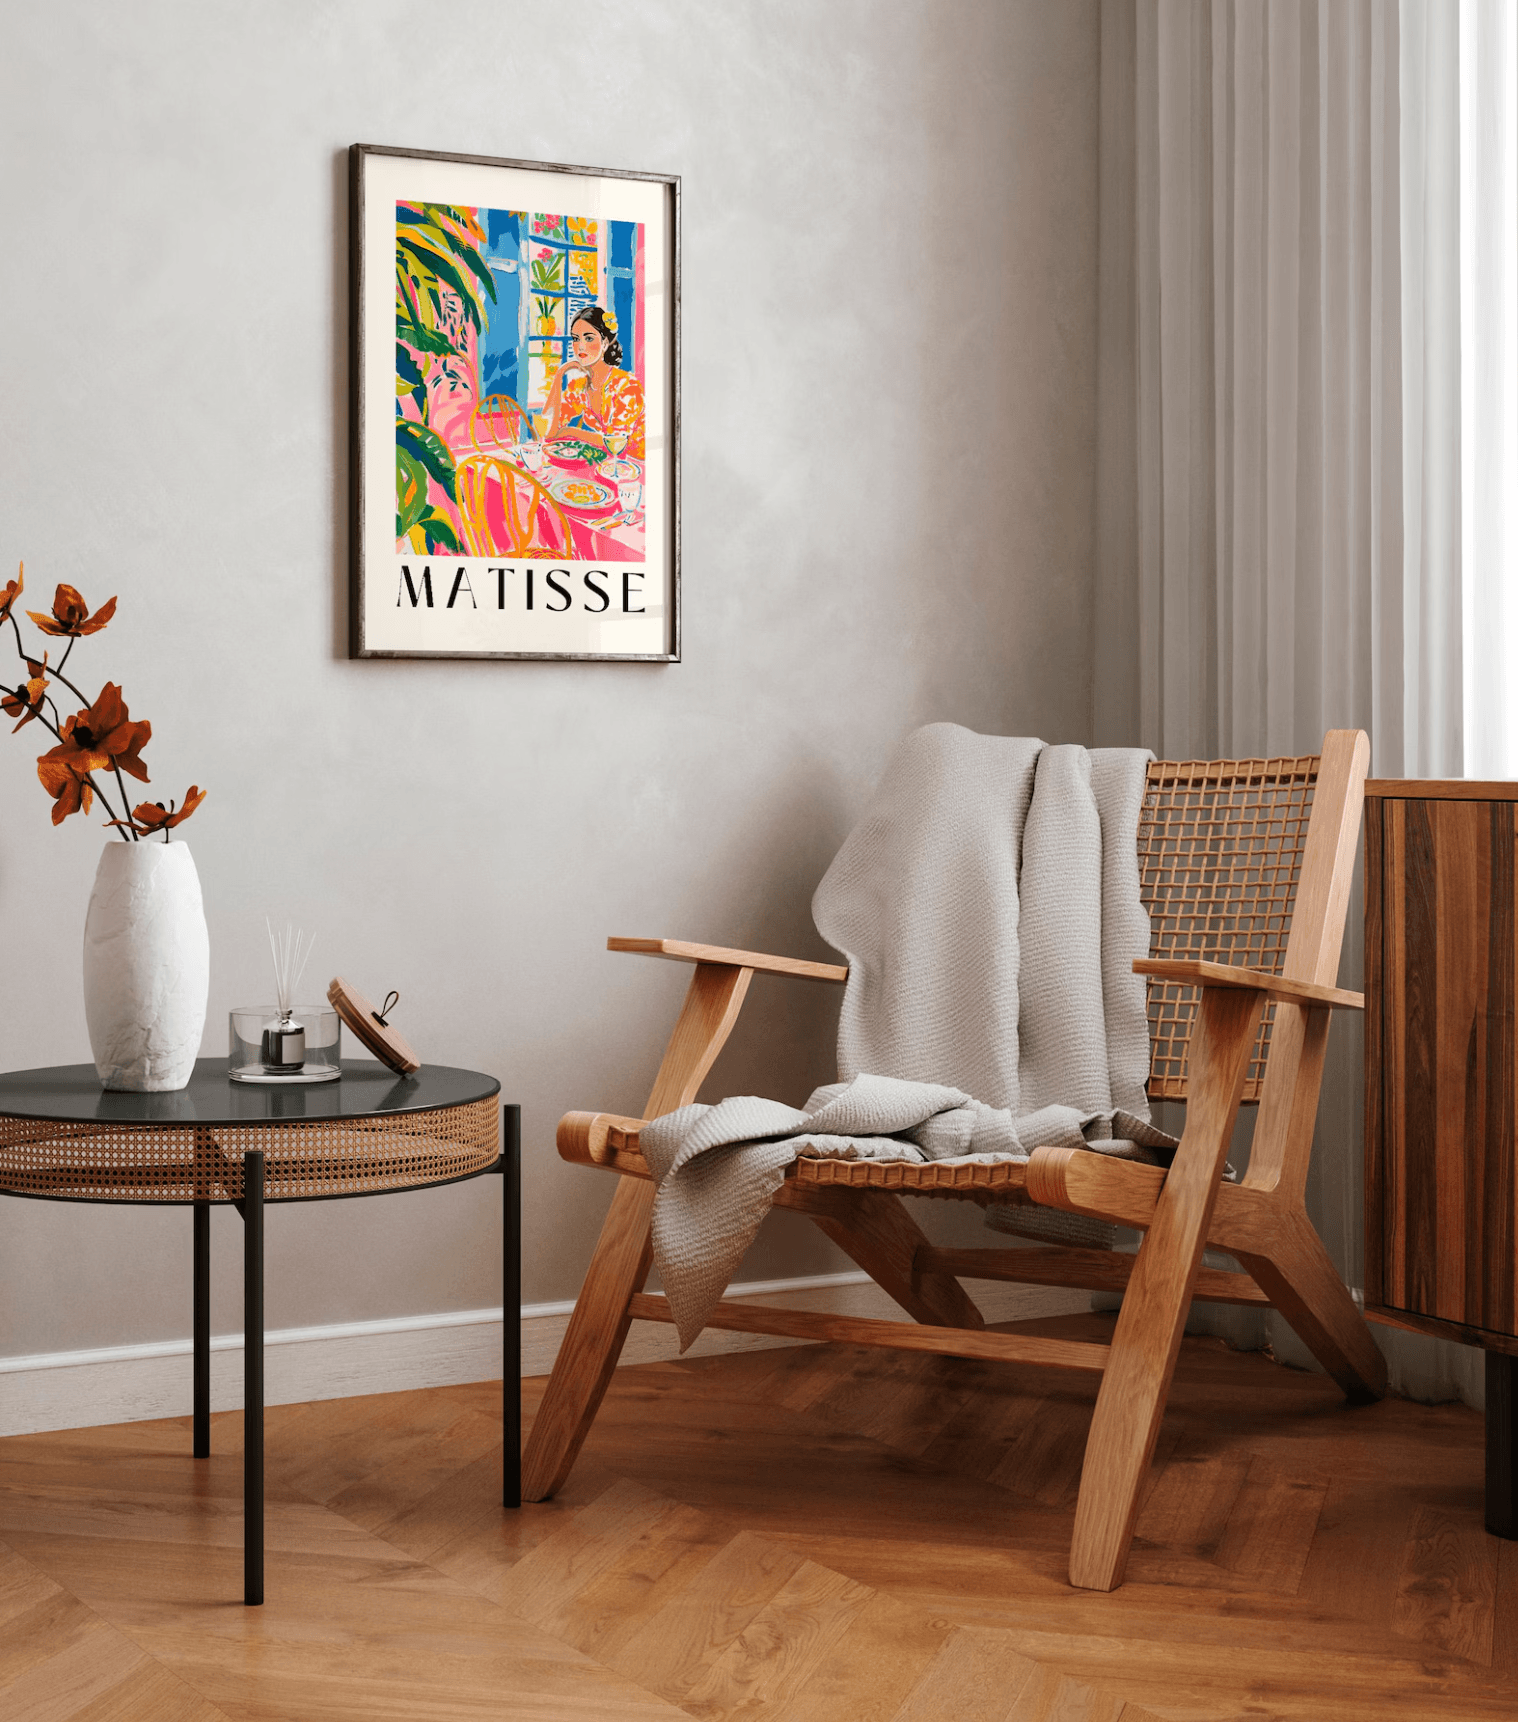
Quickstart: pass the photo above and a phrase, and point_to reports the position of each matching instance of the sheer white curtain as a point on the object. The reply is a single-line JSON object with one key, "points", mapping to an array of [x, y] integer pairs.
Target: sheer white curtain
{"points": [[1488, 151], [1308, 458]]}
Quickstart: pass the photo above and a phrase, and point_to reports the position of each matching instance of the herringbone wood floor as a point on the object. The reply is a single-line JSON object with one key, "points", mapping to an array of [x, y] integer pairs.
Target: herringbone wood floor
{"points": [[816, 1534]]}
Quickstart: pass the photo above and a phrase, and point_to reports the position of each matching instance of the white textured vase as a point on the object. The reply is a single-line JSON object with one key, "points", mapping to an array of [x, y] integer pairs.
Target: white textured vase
{"points": [[147, 966]]}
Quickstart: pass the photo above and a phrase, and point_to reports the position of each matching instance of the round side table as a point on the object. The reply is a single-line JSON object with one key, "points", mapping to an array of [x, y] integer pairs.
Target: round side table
{"points": [[65, 1139]]}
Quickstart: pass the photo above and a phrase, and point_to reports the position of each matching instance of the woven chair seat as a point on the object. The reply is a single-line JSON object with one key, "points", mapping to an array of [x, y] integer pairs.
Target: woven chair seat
{"points": [[1003, 1181], [597, 1138]]}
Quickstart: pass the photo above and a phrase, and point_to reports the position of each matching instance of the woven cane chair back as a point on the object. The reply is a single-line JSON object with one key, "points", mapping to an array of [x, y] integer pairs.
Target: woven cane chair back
{"points": [[1220, 853]]}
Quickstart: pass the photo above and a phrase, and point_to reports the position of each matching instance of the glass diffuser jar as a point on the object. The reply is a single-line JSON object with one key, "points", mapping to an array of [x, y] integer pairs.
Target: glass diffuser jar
{"points": [[301, 1045]]}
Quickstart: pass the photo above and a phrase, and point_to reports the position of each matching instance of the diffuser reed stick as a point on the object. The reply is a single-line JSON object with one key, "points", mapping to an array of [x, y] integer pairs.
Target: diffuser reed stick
{"points": [[290, 948]]}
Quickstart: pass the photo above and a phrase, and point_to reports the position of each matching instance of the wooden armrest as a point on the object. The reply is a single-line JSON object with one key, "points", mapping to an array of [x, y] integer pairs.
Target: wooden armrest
{"points": [[681, 952], [1200, 974], [602, 1139]]}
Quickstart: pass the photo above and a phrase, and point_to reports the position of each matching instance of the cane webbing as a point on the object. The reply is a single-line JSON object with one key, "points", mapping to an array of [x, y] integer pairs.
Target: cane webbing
{"points": [[979, 1181], [203, 1163], [1220, 852]]}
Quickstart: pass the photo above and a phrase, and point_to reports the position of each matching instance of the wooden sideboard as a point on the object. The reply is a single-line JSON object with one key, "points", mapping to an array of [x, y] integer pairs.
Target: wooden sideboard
{"points": [[1441, 1100]]}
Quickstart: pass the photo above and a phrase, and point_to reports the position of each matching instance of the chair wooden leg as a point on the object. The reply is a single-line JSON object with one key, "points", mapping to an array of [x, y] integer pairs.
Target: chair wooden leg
{"points": [[598, 1328], [1136, 1382], [1125, 1425], [593, 1342], [1301, 1281], [875, 1229]]}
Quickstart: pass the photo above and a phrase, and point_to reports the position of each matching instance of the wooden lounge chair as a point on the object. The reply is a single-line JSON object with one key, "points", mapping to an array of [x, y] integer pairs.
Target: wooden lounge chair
{"points": [[1245, 870]]}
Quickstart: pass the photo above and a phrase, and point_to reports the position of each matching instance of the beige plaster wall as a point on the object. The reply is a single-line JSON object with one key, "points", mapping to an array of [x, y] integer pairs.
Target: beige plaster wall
{"points": [[889, 340]]}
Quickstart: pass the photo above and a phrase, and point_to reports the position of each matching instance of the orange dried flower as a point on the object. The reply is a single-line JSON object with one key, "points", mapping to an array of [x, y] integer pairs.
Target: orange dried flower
{"points": [[149, 817], [71, 615], [27, 703], [103, 737], [12, 591], [70, 789]]}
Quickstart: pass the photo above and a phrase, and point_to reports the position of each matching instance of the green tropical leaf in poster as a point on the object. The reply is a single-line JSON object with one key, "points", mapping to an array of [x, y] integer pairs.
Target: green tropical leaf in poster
{"points": [[408, 306], [461, 247], [436, 222], [439, 530], [410, 491], [408, 379], [424, 340], [406, 369], [425, 260], [426, 446], [436, 253]]}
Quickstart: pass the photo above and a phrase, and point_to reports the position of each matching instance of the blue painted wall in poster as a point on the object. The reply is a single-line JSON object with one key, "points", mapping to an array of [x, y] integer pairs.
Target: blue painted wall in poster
{"points": [[621, 259], [503, 347]]}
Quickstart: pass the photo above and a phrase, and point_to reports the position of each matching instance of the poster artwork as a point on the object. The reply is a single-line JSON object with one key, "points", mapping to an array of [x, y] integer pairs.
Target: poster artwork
{"points": [[520, 389]]}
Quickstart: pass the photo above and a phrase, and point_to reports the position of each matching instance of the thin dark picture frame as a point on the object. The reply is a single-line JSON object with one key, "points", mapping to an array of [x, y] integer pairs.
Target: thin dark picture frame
{"points": [[371, 467]]}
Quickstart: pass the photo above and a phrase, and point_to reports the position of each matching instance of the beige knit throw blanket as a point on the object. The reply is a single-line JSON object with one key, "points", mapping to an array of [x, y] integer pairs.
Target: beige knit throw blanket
{"points": [[988, 905]]}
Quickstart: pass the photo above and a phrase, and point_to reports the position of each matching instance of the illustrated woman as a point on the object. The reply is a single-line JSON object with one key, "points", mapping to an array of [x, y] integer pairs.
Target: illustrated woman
{"points": [[591, 396]]}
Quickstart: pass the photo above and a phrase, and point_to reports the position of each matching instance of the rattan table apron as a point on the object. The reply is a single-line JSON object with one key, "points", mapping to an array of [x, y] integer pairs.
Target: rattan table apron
{"points": [[65, 1139]]}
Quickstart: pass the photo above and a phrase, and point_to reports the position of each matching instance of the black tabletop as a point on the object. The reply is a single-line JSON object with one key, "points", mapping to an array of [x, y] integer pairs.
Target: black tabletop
{"points": [[72, 1092]]}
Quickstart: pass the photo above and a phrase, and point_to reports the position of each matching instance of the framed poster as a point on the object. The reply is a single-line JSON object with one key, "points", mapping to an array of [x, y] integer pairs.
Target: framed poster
{"points": [[515, 412]]}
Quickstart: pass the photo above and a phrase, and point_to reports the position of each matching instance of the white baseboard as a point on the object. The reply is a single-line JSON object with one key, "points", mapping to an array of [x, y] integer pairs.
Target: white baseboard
{"points": [[128, 1383]]}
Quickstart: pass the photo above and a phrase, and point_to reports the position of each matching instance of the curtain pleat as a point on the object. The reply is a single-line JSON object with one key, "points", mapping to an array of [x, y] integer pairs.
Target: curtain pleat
{"points": [[1429, 146]]}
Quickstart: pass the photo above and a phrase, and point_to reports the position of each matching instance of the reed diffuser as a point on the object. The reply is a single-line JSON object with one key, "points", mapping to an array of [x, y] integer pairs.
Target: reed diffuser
{"points": [[284, 1039], [290, 1043]]}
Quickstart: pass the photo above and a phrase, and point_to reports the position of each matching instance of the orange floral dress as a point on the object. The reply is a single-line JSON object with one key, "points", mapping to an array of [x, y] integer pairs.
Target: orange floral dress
{"points": [[621, 412]]}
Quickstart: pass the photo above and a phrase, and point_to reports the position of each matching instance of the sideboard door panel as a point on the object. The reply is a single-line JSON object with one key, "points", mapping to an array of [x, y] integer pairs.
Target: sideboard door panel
{"points": [[1448, 969]]}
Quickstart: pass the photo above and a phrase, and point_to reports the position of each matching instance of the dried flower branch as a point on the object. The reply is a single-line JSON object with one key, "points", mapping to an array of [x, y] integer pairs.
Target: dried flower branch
{"points": [[27, 702], [102, 737], [71, 615], [149, 817]]}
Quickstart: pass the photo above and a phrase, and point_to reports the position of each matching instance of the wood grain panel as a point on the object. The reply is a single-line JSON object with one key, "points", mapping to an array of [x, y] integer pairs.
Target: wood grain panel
{"points": [[1375, 1050], [1500, 1257], [1441, 789], [1457, 951], [1441, 1121], [1392, 1041], [1415, 1106]]}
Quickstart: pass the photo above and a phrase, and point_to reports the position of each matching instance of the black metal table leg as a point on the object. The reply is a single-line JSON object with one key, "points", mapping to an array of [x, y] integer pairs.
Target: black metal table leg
{"points": [[253, 1378], [511, 1304], [202, 1329], [1501, 1444]]}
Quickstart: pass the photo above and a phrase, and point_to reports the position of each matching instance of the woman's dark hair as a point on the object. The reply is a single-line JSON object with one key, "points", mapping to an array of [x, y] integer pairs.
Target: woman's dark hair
{"points": [[596, 317]]}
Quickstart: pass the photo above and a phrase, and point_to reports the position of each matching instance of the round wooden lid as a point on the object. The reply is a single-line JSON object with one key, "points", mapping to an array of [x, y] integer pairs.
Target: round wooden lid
{"points": [[378, 1037]]}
